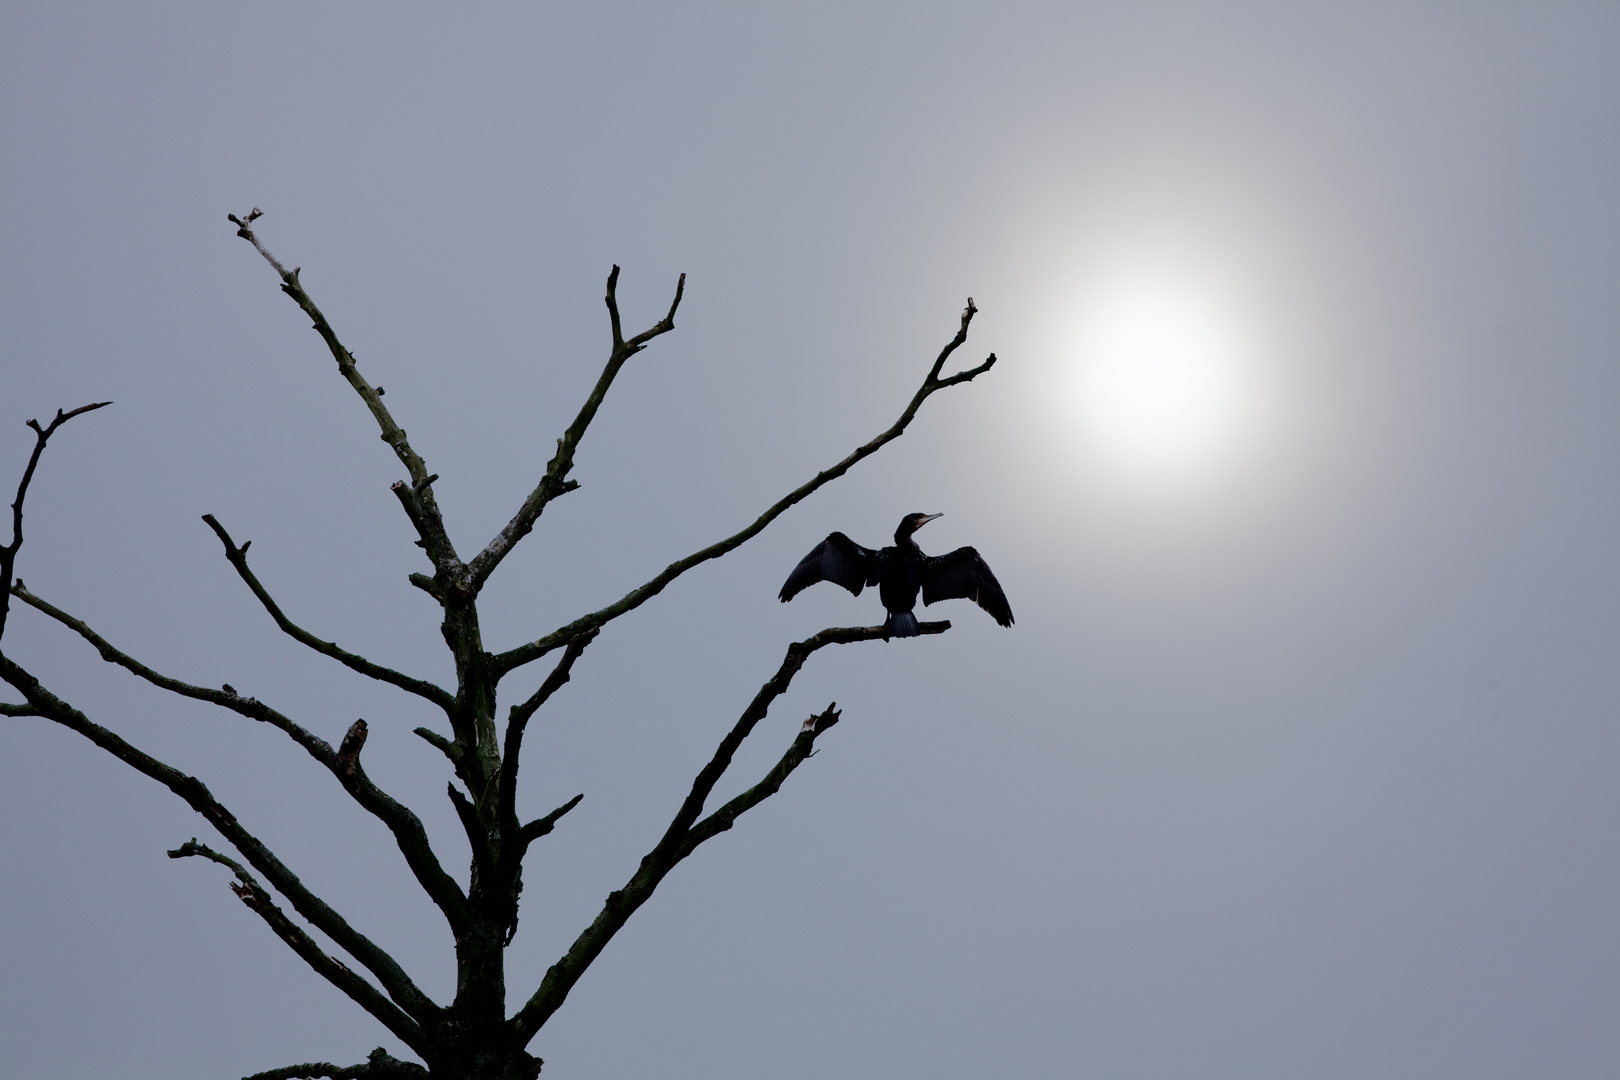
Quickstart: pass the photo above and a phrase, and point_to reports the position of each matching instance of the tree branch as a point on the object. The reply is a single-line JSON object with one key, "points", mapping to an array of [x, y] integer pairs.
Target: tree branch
{"points": [[797, 654], [427, 519], [8, 553], [406, 826], [477, 838], [539, 827], [368, 997], [226, 698], [518, 720], [523, 654], [197, 796], [421, 688], [682, 838], [801, 749], [409, 833], [379, 1066], [18, 710], [556, 482], [440, 743]]}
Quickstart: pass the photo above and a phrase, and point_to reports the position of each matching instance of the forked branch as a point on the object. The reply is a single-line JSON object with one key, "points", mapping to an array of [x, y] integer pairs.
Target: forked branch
{"points": [[556, 482], [797, 654], [8, 553], [518, 720], [686, 832], [801, 749], [524, 654]]}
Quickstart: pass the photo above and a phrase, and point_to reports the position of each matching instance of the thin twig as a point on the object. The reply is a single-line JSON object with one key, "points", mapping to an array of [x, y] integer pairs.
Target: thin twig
{"points": [[523, 654], [249, 707], [439, 742], [539, 827], [8, 553], [237, 556]]}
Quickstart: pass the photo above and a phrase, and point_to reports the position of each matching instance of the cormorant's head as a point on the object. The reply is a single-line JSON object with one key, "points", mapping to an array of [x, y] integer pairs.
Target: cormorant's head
{"points": [[910, 524]]}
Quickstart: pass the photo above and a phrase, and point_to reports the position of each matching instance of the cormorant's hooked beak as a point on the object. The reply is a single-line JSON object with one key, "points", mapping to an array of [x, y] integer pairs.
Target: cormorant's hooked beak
{"points": [[927, 518]]}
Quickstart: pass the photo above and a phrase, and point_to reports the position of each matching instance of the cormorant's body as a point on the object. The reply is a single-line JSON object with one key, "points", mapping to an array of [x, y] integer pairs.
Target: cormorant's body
{"points": [[900, 572]]}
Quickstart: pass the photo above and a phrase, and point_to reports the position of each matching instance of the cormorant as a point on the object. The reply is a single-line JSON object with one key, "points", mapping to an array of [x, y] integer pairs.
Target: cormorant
{"points": [[899, 572]]}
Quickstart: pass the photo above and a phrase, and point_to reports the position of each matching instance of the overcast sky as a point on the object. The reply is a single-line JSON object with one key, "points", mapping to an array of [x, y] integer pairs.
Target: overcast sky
{"points": [[1301, 759]]}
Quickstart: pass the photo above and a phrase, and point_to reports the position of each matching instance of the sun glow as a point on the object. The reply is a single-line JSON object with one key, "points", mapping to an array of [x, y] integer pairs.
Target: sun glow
{"points": [[1160, 385]]}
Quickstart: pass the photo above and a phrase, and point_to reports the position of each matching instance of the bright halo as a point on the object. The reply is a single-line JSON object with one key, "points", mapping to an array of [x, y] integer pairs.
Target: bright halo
{"points": [[1161, 386]]}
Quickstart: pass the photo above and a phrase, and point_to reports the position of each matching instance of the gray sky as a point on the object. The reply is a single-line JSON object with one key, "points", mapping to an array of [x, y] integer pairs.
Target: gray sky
{"points": [[1301, 765]]}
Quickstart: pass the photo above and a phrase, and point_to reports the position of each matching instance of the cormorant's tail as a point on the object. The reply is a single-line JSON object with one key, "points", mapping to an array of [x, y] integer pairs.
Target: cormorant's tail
{"points": [[902, 624]]}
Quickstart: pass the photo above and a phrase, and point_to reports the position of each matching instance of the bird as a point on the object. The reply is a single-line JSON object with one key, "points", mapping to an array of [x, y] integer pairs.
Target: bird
{"points": [[899, 572]]}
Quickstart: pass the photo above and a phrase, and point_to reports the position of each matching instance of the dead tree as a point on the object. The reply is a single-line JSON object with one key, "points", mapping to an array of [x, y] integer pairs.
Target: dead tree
{"points": [[472, 1037]]}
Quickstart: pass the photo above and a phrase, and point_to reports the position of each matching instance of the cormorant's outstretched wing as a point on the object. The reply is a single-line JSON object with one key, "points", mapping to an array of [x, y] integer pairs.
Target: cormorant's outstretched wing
{"points": [[964, 574], [837, 559]]}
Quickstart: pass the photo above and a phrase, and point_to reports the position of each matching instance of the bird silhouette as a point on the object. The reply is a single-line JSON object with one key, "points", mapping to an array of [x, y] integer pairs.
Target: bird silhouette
{"points": [[900, 572]]}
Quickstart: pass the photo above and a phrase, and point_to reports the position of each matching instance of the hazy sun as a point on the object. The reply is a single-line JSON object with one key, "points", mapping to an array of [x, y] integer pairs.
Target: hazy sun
{"points": [[1161, 384]]}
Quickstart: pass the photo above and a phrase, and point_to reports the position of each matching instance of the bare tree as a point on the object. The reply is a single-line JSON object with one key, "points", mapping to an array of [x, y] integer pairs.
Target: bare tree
{"points": [[472, 1037]]}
